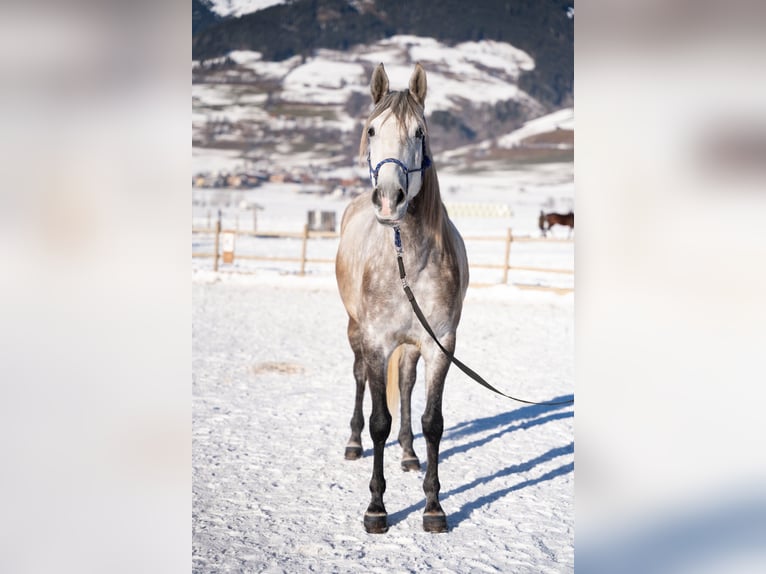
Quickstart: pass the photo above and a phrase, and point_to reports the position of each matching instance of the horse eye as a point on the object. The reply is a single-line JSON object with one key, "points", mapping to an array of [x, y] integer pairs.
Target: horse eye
{"points": [[371, 132], [419, 133]]}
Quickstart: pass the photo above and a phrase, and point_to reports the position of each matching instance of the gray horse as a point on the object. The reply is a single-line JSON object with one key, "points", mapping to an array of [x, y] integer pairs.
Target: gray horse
{"points": [[384, 334]]}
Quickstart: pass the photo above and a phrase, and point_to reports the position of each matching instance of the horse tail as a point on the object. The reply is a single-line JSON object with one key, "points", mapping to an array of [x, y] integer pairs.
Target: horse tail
{"points": [[392, 382]]}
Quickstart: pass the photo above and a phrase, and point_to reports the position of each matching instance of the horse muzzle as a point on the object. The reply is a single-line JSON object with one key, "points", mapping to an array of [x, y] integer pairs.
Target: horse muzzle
{"points": [[390, 205]]}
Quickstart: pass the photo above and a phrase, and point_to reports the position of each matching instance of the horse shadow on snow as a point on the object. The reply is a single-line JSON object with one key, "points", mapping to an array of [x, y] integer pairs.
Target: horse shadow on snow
{"points": [[522, 418]]}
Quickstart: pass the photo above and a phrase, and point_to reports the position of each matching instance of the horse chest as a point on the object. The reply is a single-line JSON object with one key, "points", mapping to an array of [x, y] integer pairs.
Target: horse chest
{"points": [[387, 313]]}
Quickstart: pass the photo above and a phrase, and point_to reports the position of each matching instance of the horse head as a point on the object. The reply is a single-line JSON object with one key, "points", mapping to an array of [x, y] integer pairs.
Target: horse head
{"points": [[394, 140]]}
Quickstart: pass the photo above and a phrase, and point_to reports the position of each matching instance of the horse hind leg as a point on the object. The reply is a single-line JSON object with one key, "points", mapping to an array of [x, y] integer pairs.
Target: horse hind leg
{"points": [[407, 374], [354, 445]]}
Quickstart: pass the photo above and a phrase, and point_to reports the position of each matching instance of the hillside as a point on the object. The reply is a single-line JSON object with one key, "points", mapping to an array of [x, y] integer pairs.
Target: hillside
{"points": [[203, 16], [308, 110], [542, 29]]}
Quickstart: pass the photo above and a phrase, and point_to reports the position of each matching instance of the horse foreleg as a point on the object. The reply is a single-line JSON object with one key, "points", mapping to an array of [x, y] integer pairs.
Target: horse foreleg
{"points": [[354, 445], [376, 519], [434, 518], [407, 375]]}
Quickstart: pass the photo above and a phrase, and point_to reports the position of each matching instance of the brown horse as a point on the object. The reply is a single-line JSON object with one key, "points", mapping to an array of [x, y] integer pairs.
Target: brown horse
{"points": [[384, 334], [548, 220]]}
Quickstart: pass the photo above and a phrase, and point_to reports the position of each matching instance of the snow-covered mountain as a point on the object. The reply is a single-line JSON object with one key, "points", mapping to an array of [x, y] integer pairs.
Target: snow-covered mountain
{"points": [[280, 83], [542, 30], [309, 109]]}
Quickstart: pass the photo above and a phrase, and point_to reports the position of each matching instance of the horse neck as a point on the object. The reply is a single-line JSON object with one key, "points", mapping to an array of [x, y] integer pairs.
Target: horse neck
{"points": [[427, 222]]}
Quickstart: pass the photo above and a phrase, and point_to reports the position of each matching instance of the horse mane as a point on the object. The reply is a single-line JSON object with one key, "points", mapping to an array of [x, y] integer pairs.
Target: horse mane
{"points": [[428, 203]]}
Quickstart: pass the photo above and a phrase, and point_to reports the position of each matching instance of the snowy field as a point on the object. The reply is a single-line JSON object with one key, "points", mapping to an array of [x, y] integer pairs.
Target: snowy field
{"points": [[272, 397], [273, 393]]}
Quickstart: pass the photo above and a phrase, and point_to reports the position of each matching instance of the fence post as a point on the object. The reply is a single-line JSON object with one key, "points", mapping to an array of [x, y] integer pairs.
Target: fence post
{"points": [[303, 249], [507, 266], [217, 241]]}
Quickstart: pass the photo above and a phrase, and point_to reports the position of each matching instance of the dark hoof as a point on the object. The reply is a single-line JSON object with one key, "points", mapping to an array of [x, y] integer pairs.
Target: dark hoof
{"points": [[410, 464], [376, 523], [353, 452], [435, 523]]}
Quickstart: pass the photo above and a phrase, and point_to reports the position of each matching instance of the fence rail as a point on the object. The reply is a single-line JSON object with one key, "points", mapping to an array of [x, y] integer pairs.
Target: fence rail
{"points": [[306, 234]]}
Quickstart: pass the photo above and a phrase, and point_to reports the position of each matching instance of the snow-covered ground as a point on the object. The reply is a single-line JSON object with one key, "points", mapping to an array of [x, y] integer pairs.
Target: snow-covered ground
{"points": [[272, 397], [273, 392]]}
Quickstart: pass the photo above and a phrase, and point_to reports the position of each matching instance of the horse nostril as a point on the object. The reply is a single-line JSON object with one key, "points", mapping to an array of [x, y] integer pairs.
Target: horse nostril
{"points": [[376, 197], [400, 197]]}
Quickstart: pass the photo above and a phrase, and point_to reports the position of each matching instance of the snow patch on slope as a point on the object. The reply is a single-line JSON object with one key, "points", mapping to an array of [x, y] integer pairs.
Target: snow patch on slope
{"points": [[255, 62], [236, 8], [482, 72], [558, 120], [320, 80]]}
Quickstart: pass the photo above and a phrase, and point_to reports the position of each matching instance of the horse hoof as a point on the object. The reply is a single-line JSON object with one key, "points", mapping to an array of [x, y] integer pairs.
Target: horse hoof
{"points": [[410, 464], [376, 523], [435, 523], [353, 452]]}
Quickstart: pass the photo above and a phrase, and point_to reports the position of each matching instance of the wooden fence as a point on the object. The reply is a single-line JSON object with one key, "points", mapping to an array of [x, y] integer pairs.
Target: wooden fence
{"points": [[305, 235], [505, 266]]}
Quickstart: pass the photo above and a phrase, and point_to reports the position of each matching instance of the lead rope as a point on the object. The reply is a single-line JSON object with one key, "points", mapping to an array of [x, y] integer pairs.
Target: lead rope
{"points": [[423, 321]]}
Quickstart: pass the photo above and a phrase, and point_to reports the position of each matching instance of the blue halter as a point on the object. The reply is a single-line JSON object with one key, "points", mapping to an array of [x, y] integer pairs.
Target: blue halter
{"points": [[424, 164]]}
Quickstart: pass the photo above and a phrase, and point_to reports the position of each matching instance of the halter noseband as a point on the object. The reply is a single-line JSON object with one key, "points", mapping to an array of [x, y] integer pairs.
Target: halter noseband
{"points": [[424, 164]]}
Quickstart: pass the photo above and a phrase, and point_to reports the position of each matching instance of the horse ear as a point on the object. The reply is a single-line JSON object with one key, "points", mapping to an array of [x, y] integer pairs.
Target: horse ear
{"points": [[418, 84], [379, 84]]}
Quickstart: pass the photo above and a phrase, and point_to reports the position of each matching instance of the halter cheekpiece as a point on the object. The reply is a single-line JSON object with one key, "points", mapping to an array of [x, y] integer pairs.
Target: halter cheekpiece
{"points": [[424, 164]]}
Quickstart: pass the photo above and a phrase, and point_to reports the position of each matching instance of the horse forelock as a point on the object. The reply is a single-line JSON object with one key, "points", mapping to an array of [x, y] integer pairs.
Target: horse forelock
{"points": [[404, 109]]}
